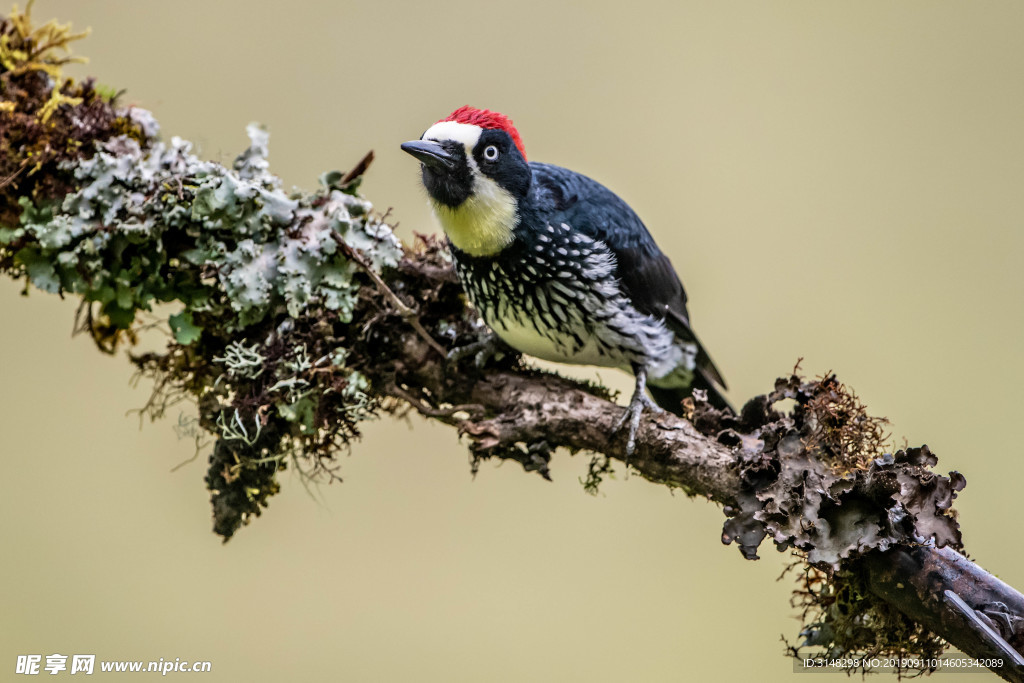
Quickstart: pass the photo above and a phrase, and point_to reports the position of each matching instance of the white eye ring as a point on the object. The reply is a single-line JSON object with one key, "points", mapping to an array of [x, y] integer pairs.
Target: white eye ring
{"points": [[491, 153]]}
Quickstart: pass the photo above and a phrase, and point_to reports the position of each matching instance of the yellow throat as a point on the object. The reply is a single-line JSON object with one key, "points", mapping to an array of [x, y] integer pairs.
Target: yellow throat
{"points": [[483, 224]]}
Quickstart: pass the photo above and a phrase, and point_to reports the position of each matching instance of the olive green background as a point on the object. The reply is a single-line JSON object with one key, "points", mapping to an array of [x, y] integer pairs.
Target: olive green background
{"points": [[838, 181]]}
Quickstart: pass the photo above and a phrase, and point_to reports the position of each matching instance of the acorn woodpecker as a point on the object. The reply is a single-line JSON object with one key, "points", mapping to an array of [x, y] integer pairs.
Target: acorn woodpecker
{"points": [[557, 265]]}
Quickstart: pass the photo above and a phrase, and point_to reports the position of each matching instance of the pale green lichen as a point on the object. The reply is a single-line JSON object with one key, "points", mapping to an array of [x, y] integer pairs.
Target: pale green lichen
{"points": [[250, 266], [242, 361], [264, 246]]}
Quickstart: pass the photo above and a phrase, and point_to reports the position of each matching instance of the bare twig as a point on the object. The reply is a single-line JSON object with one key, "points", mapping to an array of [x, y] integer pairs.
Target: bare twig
{"points": [[408, 314], [10, 179], [445, 414]]}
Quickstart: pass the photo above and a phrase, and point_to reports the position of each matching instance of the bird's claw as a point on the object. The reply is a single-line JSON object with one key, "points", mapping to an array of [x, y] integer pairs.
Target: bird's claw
{"points": [[631, 416], [482, 350]]}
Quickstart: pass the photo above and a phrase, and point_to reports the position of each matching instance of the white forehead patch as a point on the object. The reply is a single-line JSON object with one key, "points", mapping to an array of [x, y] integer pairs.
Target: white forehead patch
{"points": [[465, 133]]}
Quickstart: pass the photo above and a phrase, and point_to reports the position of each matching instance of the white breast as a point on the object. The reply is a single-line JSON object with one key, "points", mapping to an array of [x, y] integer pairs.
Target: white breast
{"points": [[525, 338]]}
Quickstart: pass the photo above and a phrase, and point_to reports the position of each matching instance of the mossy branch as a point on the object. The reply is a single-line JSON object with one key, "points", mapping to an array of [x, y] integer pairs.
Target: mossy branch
{"points": [[300, 315]]}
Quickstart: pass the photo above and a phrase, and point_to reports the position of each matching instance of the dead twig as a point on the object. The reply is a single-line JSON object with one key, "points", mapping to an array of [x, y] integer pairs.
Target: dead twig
{"points": [[410, 315]]}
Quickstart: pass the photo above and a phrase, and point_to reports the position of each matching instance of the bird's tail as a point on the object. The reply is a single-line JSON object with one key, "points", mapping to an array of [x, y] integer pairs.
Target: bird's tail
{"points": [[671, 398]]}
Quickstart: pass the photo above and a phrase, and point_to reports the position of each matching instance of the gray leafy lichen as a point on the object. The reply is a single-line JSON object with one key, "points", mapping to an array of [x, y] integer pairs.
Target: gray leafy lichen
{"points": [[93, 204], [819, 480], [822, 482], [150, 222], [262, 246]]}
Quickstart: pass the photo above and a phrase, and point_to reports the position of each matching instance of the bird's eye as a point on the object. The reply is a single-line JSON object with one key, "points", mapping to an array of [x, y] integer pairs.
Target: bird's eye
{"points": [[491, 153]]}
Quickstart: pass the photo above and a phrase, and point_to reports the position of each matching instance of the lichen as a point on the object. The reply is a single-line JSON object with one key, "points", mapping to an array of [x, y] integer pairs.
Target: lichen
{"points": [[842, 618], [862, 499], [260, 282], [823, 481]]}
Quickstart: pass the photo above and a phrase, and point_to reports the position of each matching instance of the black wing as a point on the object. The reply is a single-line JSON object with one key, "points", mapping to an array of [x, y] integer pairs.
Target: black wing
{"points": [[646, 274]]}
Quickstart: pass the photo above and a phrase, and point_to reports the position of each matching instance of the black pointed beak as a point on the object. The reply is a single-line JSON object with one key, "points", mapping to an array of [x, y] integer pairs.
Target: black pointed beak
{"points": [[430, 153]]}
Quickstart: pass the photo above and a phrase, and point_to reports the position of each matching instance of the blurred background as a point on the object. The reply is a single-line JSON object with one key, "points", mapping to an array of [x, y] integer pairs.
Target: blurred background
{"points": [[839, 182]]}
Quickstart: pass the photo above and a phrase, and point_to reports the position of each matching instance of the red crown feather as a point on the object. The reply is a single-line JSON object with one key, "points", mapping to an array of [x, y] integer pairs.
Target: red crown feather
{"points": [[489, 120]]}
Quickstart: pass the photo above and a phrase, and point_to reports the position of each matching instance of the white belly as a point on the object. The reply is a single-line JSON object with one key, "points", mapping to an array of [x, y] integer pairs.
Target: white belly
{"points": [[526, 339]]}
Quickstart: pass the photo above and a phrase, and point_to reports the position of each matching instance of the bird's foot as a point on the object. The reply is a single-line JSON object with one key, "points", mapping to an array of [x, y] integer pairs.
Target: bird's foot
{"points": [[634, 411], [482, 350]]}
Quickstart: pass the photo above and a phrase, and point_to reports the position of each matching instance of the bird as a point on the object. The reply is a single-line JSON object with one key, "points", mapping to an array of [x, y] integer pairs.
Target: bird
{"points": [[558, 266]]}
